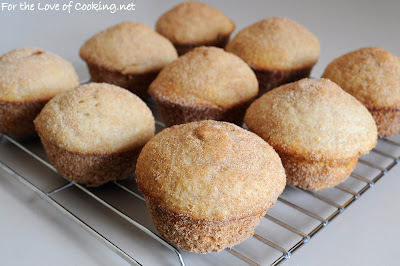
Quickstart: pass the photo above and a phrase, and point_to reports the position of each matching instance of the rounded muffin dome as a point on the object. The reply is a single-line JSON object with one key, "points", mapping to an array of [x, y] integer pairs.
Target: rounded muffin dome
{"points": [[129, 48], [276, 44], [96, 118], [31, 74], [194, 23], [210, 170], [206, 76], [315, 119]]}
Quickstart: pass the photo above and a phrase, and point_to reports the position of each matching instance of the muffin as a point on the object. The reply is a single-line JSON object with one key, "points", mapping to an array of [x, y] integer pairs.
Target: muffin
{"points": [[29, 78], [278, 50], [129, 55], [207, 184], [318, 130], [206, 83], [192, 24], [372, 75], [94, 133]]}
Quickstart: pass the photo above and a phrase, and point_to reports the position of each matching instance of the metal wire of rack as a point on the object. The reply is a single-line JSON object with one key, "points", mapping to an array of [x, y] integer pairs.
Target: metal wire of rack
{"points": [[296, 217]]}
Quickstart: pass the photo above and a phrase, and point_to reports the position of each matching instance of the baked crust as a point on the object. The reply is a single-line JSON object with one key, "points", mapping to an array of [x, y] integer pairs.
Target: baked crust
{"points": [[220, 42], [201, 236], [31, 74], [270, 79], [96, 118], [194, 23], [92, 169], [276, 44], [314, 119], [204, 180], [176, 114], [372, 75], [129, 48], [29, 78], [208, 79], [387, 121], [316, 174], [94, 133], [16, 119], [135, 83], [318, 130]]}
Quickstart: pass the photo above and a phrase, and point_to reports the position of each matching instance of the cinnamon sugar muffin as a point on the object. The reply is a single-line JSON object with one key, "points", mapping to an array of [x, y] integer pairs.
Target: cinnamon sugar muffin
{"points": [[29, 78], [208, 184], [192, 24], [94, 133], [278, 50], [318, 130], [206, 83], [372, 75], [129, 55]]}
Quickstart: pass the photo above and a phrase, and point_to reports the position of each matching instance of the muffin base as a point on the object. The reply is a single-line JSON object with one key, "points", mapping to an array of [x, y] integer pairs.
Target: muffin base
{"points": [[92, 170], [175, 114], [220, 42], [270, 79], [316, 175], [201, 236], [387, 121], [16, 119], [136, 83]]}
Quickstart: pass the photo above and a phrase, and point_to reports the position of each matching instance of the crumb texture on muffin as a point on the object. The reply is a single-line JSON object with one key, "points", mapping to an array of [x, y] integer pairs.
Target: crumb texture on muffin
{"points": [[194, 23], [314, 119], [208, 77], [31, 74], [210, 171], [370, 74], [276, 43], [129, 48], [96, 118]]}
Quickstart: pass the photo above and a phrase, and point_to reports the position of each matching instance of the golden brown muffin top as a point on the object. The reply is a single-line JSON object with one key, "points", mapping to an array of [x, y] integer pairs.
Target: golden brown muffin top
{"points": [[31, 74], [276, 44], [206, 76], [194, 23], [370, 74], [129, 48], [96, 119], [314, 119], [210, 170]]}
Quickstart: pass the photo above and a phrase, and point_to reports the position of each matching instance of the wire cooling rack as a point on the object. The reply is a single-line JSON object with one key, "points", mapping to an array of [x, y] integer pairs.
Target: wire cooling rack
{"points": [[295, 218]]}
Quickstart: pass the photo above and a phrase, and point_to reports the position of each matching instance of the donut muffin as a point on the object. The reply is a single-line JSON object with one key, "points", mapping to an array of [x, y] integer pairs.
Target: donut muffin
{"points": [[94, 133], [278, 50], [29, 78], [193, 24], [372, 75], [318, 130], [206, 83], [207, 184], [129, 55]]}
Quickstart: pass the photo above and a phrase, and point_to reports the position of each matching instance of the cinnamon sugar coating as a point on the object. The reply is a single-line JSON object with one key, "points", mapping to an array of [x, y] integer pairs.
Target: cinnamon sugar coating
{"points": [[194, 23], [276, 44], [372, 75], [210, 171], [313, 118], [31, 74], [207, 77], [96, 118], [129, 48]]}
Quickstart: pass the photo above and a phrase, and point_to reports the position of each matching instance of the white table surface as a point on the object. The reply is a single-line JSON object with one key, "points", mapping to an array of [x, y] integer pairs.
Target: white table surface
{"points": [[34, 233]]}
